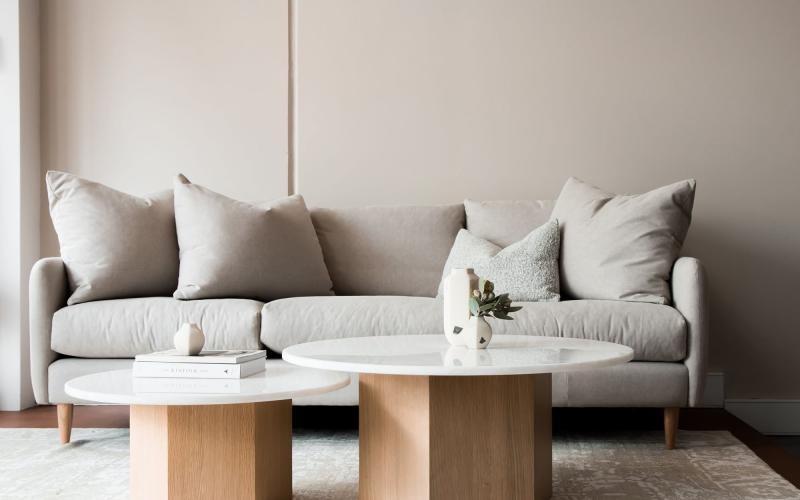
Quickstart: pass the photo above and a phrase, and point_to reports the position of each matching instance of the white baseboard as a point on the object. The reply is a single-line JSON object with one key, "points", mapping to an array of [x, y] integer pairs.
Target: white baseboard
{"points": [[768, 416], [714, 395]]}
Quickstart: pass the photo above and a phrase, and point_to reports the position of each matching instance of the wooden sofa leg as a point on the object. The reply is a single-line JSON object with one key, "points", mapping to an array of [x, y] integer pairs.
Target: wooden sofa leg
{"points": [[64, 412], [671, 426]]}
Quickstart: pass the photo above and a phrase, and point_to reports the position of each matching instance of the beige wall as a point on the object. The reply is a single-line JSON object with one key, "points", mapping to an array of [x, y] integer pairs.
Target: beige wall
{"points": [[433, 101], [19, 192], [430, 102], [137, 91]]}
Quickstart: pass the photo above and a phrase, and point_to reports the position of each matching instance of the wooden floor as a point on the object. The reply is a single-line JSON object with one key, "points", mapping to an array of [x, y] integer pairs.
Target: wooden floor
{"points": [[767, 448], [84, 416], [791, 443]]}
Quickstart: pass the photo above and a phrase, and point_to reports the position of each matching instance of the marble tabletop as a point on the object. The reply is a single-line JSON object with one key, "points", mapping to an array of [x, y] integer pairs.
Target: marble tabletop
{"points": [[280, 381], [433, 355]]}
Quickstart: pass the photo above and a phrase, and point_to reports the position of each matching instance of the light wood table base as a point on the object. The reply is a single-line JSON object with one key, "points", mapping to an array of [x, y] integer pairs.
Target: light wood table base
{"points": [[231, 451], [459, 437]]}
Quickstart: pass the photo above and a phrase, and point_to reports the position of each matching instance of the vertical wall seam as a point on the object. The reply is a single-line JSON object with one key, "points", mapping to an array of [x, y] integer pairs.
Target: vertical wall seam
{"points": [[291, 158]]}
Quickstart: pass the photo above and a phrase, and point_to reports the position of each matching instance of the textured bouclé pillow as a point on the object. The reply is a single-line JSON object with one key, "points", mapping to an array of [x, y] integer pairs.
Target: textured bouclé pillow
{"points": [[114, 245], [229, 248], [621, 247], [527, 270]]}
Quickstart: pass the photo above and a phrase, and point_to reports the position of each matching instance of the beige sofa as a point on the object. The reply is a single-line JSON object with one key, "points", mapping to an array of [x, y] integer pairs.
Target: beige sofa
{"points": [[385, 264]]}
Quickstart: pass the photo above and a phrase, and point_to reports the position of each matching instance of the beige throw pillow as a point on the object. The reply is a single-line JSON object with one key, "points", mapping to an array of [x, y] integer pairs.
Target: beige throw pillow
{"points": [[114, 245], [229, 248], [621, 247]]}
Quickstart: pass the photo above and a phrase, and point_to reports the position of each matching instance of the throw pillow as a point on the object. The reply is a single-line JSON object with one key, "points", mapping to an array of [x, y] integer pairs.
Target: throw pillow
{"points": [[527, 270], [621, 247], [505, 222], [229, 248], [113, 244]]}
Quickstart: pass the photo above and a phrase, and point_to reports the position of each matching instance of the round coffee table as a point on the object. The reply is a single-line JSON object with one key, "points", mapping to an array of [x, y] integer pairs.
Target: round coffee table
{"points": [[210, 438], [437, 421]]}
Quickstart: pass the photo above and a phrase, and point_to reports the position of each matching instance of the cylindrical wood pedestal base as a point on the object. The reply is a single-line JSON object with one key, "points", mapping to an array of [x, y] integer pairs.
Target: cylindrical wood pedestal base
{"points": [[470, 437], [231, 451]]}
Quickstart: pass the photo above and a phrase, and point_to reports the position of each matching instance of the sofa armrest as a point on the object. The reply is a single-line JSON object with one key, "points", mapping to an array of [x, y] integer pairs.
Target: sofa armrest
{"points": [[47, 294], [690, 297]]}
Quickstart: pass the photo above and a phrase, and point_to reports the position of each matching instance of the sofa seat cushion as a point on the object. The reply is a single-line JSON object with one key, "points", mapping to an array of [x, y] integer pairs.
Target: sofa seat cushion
{"points": [[126, 327], [654, 332], [291, 321]]}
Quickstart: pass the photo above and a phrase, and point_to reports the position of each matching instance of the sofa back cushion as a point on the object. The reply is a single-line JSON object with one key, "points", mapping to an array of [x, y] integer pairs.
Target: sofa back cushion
{"points": [[621, 247], [229, 248], [506, 222], [113, 244], [387, 250]]}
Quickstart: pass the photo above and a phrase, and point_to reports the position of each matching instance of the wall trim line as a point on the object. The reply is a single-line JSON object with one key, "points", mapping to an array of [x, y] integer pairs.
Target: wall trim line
{"points": [[291, 154], [768, 416], [714, 394]]}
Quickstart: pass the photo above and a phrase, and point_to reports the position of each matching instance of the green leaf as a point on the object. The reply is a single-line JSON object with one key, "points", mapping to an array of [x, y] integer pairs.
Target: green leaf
{"points": [[487, 307], [514, 309]]}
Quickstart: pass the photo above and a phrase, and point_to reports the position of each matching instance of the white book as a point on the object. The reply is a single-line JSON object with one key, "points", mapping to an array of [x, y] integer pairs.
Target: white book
{"points": [[226, 357], [187, 385], [197, 370]]}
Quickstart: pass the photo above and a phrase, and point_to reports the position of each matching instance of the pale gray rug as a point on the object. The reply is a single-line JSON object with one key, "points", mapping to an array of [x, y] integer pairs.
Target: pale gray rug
{"points": [[707, 465]]}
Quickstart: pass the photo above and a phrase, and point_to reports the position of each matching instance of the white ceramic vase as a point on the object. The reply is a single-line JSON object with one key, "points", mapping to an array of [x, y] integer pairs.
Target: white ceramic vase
{"points": [[457, 289], [478, 333], [189, 340]]}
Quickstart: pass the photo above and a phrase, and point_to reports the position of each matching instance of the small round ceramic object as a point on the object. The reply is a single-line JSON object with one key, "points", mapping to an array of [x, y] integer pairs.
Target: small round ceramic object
{"points": [[189, 339]]}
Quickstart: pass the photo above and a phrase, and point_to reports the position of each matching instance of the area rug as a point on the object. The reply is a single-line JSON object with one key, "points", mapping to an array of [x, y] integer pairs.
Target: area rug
{"points": [[707, 465]]}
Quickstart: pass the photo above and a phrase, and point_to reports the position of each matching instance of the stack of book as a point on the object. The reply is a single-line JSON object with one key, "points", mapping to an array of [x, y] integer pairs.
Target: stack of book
{"points": [[208, 364]]}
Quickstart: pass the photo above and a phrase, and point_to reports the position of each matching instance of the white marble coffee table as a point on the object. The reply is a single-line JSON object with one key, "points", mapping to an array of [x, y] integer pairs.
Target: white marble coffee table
{"points": [[447, 422], [210, 438]]}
